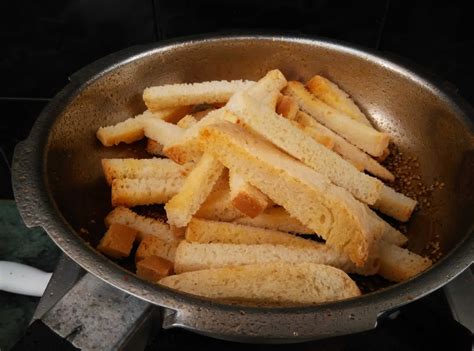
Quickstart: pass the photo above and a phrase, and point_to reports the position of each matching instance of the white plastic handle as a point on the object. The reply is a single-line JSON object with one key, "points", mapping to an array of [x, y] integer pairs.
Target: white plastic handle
{"points": [[22, 279]]}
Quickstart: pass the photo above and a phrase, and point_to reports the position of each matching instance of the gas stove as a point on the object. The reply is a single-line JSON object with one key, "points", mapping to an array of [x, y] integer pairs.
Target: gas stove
{"points": [[78, 311]]}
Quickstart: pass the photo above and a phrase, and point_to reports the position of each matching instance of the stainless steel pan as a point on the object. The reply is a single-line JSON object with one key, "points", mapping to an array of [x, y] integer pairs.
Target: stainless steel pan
{"points": [[59, 186]]}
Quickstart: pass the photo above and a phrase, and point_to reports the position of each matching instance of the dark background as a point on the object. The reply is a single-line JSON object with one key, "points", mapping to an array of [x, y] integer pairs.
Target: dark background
{"points": [[43, 42]]}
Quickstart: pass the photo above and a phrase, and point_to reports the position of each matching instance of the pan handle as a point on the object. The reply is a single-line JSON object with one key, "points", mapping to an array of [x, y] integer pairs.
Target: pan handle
{"points": [[269, 326]]}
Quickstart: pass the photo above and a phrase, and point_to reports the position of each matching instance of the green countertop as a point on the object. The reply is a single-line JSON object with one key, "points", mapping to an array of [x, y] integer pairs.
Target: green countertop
{"points": [[29, 246]]}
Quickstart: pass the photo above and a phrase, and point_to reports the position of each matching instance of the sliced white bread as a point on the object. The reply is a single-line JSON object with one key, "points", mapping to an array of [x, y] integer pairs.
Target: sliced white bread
{"points": [[154, 148], [218, 206], [267, 89], [162, 132], [324, 139], [398, 264], [171, 95], [195, 256], [186, 148], [331, 94], [276, 218], [132, 129], [144, 225], [196, 188], [359, 134], [187, 121], [395, 204], [284, 134], [348, 151], [152, 245], [148, 191], [281, 283], [287, 107], [159, 168], [330, 211], [207, 232], [245, 197], [203, 113]]}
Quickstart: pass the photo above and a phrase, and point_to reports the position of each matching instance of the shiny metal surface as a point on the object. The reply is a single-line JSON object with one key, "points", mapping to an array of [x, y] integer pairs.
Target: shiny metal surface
{"points": [[59, 185], [94, 315]]}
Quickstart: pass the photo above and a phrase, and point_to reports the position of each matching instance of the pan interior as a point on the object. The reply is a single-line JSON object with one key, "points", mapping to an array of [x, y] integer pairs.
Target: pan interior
{"points": [[425, 126]]}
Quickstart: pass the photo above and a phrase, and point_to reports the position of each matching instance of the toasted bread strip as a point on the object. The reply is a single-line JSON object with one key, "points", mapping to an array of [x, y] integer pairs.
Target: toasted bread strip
{"points": [[301, 283], [151, 245], [154, 148], [153, 268], [117, 241], [159, 168], [347, 150], [393, 236], [329, 210], [187, 122], [294, 141], [324, 139], [218, 205], [144, 225], [398, 264], [390, 234], [168, 134], [198, 115], [131, 129], [267, 89], [384, 156], [134, 192], [287, 107], [276, 218], [194, 256], [331, 94], [362, 136], [208, 232], [187, 148], [171, 95], [395, 204], [162, 132], [245, 197], [196, 188]]}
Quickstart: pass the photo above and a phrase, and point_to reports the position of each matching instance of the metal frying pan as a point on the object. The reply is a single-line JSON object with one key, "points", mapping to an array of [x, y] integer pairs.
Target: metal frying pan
{"points": [[59, 185]]}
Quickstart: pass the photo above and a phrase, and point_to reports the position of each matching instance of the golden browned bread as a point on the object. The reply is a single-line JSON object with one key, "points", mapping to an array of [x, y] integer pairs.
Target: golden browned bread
{"points": [[282, 283], [206, 232], [196, 256], [357, 157], [144, 225], [153, 268], [284, 134], [398, 264], [159, 168], [395, 204], [194, 191], [152, 245], [276, 218], [132, 129], [245, 197], [287, 107], [359, 134], [172, 95], [330, 211], [117, 241], [331, 94], [147, 191]]}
